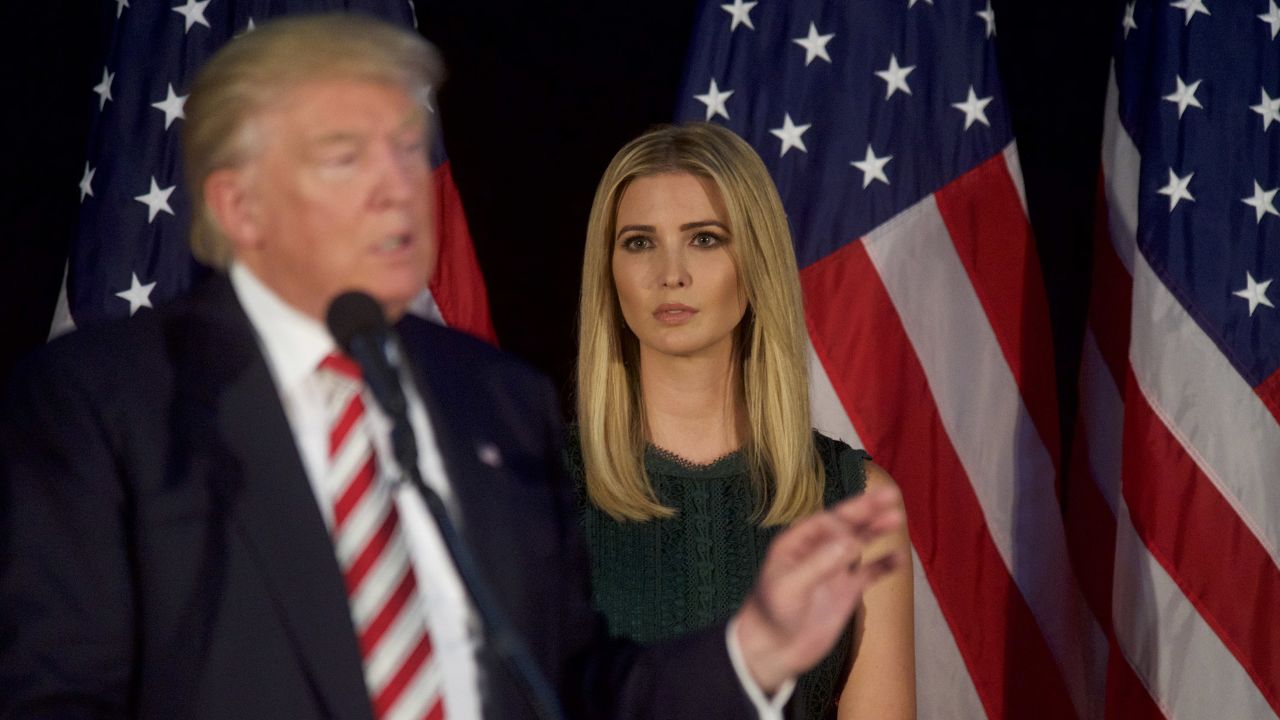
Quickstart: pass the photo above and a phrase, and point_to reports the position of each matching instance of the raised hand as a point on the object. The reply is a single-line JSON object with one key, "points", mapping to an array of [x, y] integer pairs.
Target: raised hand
{"points": [[812, 580]]}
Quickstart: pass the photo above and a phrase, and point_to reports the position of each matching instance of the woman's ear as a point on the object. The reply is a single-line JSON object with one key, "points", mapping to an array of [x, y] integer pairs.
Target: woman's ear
{"points": [[227, 194]]}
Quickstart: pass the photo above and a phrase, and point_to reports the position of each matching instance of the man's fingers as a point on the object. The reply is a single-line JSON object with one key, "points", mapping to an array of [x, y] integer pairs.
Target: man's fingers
{"points": [[827, 549], [831, 543], [881, 566], [870, 514], [809, 534], [868, 506], [873, 514]]}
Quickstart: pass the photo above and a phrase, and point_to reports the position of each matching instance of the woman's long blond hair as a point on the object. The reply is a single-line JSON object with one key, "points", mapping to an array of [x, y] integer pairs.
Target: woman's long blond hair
{"points": [[770, 346]]}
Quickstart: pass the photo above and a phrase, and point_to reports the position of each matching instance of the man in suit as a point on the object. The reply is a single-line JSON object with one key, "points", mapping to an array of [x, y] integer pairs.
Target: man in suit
{"points": [[198, 508]]}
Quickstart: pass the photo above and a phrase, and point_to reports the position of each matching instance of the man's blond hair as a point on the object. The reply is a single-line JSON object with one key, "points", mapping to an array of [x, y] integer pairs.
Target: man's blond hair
{"points": [[256, 70], [769, 345]]}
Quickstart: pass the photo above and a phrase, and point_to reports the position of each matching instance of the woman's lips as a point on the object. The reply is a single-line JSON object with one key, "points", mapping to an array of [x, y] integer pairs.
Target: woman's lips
{"points": [[674, 313]]}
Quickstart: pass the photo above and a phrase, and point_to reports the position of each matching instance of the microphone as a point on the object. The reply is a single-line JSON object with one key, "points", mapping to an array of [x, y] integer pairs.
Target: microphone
{"points": [[360, 329]]}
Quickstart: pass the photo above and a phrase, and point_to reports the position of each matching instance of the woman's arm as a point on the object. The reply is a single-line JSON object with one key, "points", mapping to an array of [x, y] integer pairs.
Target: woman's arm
{"points": [[882, 683]]}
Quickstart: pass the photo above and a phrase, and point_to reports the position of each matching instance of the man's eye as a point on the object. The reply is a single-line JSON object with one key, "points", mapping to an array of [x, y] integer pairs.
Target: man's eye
{"points": [[341, 159]]}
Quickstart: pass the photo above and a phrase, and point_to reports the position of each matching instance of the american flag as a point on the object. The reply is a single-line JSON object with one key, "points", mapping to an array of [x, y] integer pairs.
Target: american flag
{"points": [[884, 127], [1174, 496], [130, 250]]}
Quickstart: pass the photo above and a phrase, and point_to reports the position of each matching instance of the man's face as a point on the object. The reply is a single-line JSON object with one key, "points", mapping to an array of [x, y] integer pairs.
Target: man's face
{"points": [[339, 197]]}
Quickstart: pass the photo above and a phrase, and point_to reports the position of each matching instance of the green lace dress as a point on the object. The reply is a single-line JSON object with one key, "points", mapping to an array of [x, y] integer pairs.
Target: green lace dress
{"points": [[657, 579]]}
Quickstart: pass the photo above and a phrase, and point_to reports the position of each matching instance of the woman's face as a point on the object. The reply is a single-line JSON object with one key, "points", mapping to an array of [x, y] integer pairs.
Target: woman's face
{"points": [[677, 283]]}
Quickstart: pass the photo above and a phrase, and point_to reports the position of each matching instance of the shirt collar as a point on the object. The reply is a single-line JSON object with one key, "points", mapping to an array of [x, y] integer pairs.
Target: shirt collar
{"points": [[294, 343]]}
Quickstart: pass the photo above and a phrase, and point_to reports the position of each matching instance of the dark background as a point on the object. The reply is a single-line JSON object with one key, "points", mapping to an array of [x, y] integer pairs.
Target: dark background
{"points": [[538, 99]]}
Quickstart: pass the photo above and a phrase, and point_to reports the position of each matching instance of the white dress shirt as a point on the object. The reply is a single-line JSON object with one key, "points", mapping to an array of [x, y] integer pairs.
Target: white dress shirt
{"points": [[294, 344]]}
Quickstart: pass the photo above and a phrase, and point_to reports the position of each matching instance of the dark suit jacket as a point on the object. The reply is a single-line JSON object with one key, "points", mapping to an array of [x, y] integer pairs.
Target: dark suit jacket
{"points": [[163, 555]]}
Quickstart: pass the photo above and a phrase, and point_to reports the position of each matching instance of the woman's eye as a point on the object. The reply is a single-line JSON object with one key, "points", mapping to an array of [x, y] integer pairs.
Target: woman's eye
{"points": [[705, 240], [636, 242]]}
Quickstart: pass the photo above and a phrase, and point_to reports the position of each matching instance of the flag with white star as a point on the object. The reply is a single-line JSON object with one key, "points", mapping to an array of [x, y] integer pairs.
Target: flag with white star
{"points": [[130, 251], [1174, 500], [882, 123]]}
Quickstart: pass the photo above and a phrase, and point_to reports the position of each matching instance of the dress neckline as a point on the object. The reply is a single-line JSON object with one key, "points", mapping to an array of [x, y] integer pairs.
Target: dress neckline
{"points": [[665, 462]]}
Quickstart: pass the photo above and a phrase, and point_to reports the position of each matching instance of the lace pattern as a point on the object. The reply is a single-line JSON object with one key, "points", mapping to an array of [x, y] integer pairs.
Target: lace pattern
{"points": [[687, 464], [658, 579]]}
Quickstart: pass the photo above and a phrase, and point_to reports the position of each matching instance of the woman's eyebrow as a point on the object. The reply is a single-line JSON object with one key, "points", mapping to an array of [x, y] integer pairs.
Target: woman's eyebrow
{"points": [[635, 228], [704, 223], [687, 226]]}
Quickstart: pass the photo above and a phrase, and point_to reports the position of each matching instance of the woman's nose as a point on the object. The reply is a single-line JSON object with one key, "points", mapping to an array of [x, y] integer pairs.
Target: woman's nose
{"points": [[675, 272]]}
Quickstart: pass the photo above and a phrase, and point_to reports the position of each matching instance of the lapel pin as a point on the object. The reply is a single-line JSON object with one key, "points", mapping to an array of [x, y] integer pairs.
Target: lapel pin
{"points": [[489, 454]]}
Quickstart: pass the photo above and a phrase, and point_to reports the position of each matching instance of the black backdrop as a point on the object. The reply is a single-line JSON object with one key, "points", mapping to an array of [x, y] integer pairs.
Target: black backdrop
{"points": [[539, 97]]}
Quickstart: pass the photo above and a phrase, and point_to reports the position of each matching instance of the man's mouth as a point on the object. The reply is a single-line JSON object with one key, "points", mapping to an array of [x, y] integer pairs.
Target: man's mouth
{"points": [[391, 243]]}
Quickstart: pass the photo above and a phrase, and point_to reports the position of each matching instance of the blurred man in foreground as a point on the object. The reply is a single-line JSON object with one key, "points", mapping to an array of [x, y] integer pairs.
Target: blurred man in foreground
{"points": [[199, 507]]}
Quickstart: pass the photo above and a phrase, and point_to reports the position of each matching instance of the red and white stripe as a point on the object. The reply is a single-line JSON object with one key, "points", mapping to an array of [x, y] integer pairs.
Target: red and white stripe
{"points": [[932, 334], [1179, 473], [401, 674]]}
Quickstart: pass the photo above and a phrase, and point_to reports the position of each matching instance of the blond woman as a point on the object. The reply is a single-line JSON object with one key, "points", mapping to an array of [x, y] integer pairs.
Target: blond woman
{"points": [[693, 446]]}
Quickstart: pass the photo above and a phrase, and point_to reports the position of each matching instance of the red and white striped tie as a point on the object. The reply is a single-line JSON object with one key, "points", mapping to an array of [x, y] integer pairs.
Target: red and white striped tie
{"points": [[401, 671]]}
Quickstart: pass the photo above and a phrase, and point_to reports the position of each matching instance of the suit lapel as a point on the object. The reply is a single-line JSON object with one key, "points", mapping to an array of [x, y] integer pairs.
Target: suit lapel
{"points": [[454, 436], [275, 510], [500, 500], [497, 477]]}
